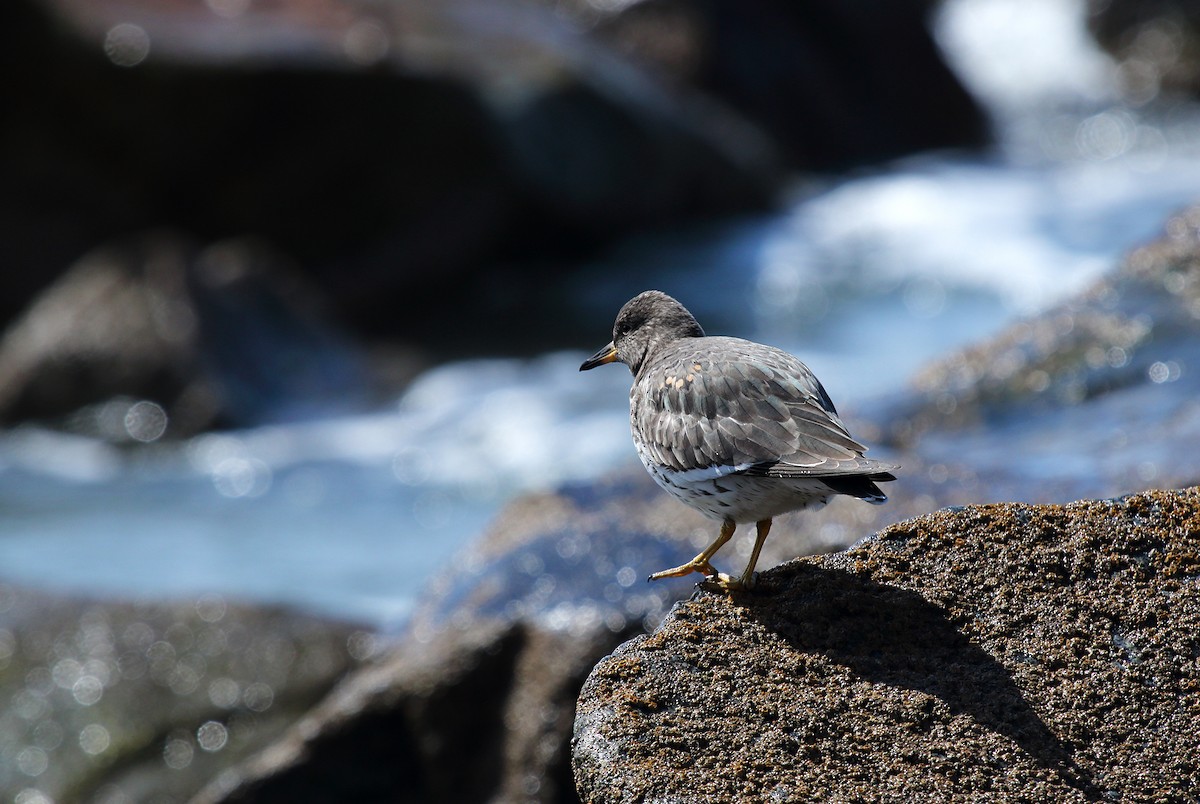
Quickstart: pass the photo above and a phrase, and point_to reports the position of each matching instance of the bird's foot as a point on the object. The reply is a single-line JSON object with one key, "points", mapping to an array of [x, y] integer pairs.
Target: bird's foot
{"points": [[695, 565], [727, 583]]}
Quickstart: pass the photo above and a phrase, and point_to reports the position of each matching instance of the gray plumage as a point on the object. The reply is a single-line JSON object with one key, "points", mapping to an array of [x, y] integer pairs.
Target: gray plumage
{"points": [[738, 430]]}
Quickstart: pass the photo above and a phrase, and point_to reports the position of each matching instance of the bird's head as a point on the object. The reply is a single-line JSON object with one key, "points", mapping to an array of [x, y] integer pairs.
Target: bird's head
{"points": [[647, 322]]}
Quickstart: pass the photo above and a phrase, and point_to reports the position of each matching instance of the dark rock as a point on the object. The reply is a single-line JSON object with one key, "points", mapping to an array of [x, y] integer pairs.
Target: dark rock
{"points": [[396, 731], [397, 152], [402, 154], [834, 84], [228, 335], [1011, 651], [147, 701]]}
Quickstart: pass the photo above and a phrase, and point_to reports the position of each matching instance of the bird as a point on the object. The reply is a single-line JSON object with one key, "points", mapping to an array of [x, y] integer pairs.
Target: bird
{"points": [[740, 431]]}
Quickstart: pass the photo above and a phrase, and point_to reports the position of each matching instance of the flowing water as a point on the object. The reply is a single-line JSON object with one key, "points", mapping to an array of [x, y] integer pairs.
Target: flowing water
{"points": [[865, 277]]}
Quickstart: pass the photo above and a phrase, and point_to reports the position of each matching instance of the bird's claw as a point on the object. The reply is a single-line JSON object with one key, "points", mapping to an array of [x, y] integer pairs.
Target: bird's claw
{"points": [[720, 582]]}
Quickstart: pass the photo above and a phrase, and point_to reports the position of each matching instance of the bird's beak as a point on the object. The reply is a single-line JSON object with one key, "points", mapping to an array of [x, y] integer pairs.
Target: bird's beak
{"points": [[606, 355]]}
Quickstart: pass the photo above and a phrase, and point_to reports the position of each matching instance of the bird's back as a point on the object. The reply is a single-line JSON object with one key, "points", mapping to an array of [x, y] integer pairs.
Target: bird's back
{"points": [[733, 403]]}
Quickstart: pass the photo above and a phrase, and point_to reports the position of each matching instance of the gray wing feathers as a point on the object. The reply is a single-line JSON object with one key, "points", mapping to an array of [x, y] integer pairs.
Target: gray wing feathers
{"points": [[759, 408]]}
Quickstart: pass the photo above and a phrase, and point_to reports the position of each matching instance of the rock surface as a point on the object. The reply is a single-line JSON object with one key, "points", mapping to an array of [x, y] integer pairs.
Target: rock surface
{"points": [[1013, 651], [139, 701]]}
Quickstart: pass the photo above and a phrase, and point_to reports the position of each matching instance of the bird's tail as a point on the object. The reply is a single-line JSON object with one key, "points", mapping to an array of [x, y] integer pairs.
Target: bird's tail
{"points": [[861, 486]]}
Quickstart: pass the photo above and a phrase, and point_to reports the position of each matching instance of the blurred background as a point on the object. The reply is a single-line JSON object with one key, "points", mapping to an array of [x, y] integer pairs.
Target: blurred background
{"points": [[294, 291], [294, 294]]}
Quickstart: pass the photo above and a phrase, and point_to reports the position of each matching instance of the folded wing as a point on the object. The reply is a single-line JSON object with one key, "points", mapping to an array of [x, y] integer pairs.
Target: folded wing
{"points": [[759, 411]]}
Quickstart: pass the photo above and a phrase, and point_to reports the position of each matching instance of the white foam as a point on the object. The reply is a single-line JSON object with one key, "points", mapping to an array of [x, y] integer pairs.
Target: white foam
{"points": [[1031, 236], [1022, 54]]}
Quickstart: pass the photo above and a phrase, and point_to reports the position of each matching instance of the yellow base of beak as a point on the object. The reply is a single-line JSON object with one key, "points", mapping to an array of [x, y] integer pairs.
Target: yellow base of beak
{"points": [[606, 355]]}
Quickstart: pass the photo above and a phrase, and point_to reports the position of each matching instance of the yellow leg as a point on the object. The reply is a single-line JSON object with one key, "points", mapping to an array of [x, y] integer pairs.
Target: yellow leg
{"points": [[746, 579], [700, 562]]}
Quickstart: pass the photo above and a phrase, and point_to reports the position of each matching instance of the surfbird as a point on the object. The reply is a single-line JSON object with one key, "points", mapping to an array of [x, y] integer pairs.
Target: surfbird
{"points": [[740, 431]]}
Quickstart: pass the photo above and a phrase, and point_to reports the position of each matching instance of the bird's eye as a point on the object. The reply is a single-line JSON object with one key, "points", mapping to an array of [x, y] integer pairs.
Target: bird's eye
{"points": [[627, 325]]}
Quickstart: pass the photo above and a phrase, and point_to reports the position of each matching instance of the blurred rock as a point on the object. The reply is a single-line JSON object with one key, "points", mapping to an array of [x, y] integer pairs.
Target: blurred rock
{"points": [[399, 152], [835, 84], [1015, 652], [123, 701], [1097, 397], [1156, 43], [155, 337], [476, 701], [395, 731]]}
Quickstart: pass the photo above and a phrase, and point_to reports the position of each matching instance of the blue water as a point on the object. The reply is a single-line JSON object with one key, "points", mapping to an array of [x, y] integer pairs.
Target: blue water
{"points": [[866, 278]]}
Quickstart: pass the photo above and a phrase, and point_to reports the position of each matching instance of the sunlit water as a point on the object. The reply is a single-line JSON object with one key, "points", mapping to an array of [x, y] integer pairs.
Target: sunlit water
{"points": [[866, 279]]}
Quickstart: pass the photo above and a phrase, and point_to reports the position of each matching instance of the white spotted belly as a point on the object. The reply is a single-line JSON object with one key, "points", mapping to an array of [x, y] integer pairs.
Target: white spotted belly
{"points": [[720, 494]]}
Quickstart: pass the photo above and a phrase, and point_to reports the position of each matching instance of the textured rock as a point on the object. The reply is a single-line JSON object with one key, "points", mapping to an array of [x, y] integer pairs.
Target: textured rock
{"points": [[1013, 651], [123, 701]]}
